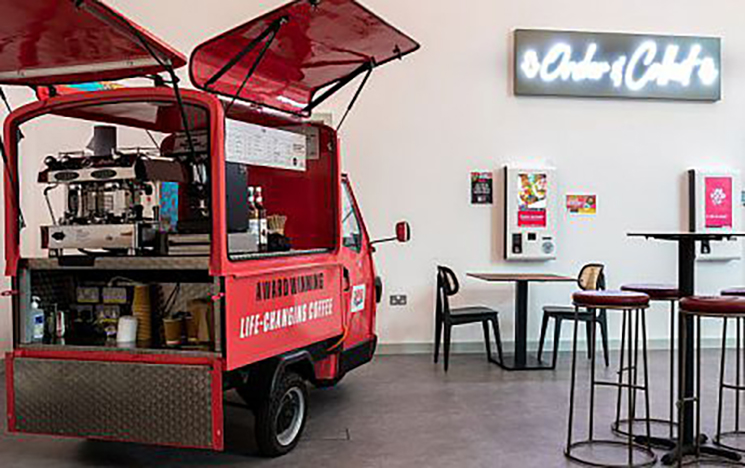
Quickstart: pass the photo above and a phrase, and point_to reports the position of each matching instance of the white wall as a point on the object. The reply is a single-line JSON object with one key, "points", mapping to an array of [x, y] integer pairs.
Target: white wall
{"points": [[423, 124]]}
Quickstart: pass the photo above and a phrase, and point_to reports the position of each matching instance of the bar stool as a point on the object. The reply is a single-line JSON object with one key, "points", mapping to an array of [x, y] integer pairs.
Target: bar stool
{"points": [[630, 304], [656, 293], [723, 307], [738, 386]]}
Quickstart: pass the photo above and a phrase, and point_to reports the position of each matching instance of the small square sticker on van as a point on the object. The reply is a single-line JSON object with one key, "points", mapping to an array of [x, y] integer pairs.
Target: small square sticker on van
{"points": [[358, 298]]}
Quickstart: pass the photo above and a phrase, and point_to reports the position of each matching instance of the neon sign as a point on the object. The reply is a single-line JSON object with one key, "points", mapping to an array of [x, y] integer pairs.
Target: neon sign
{"points": [[557, 63]]}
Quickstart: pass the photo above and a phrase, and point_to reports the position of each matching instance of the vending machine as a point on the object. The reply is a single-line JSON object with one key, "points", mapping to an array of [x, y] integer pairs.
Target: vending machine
{"points": [[530, 213], [714, 208]]}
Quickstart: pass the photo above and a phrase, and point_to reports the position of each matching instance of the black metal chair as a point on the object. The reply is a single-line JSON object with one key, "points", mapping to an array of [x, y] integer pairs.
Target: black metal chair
{"points": [[446, 317], [590, 278]]}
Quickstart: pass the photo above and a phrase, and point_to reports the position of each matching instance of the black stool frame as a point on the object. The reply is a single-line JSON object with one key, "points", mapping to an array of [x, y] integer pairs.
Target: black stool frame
{"points": [[671, 423], [698, 448], [737, 387], [632, 334]]}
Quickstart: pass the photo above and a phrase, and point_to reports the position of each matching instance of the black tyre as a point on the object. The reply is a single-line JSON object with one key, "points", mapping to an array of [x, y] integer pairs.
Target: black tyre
{"points": [[280, 418]]}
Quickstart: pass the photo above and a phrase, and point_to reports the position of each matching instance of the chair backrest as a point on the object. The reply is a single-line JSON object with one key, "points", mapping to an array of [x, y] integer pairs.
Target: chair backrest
{"points": [[447, 285], [592, 277], [447, 280]]}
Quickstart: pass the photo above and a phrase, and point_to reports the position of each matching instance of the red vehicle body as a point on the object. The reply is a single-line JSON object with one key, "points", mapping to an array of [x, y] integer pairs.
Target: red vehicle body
{"points": [[307, 314]]}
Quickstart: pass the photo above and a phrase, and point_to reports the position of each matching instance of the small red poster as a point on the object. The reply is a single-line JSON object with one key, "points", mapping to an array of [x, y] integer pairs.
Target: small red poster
{"points": [[718, 202]]}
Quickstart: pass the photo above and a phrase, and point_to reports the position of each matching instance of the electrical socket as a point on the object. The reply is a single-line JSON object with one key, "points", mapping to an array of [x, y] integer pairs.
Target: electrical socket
{"points": [[398, 300]]}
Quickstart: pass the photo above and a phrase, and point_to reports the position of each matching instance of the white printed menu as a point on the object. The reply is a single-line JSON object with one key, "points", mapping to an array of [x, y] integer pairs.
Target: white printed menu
{"points": [[247, 143]]}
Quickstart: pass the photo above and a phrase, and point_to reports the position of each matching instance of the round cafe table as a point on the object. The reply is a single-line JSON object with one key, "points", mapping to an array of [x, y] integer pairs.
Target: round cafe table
{"points": [[687, 242]]}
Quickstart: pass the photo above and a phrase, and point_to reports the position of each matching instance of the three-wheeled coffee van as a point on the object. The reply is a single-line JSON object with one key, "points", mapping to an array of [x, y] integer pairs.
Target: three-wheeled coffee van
{"points": [[229, 254]]}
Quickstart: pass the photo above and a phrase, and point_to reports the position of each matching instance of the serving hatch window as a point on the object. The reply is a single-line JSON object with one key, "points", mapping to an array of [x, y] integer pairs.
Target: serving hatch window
{"points": [[281, 186], [118, 179]]}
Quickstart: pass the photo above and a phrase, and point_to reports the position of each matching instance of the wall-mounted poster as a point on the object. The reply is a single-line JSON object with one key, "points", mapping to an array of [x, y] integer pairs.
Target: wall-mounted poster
{"points": [[582, 204], [482, 188], [532, 200], [719, 202]]}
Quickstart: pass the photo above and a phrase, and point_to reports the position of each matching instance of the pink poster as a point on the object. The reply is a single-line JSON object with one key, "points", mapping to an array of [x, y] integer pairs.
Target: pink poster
{"points": [[718, 202]]}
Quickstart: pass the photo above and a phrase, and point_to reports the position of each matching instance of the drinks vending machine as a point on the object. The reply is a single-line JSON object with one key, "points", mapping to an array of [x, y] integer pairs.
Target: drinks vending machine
{"points": [[530, 207], [713, 200]]}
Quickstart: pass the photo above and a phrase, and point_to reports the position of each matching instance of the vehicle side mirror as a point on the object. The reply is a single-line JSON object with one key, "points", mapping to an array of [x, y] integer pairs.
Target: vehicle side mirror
{"points": [[403, 234], [403, 231]]}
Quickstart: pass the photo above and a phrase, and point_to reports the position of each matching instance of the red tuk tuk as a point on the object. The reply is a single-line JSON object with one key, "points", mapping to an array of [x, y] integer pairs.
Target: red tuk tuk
{"points": [[229, 255]]}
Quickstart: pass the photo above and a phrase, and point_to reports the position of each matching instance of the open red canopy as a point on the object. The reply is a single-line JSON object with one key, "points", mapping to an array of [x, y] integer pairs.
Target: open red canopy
{"points": [[310, 44], [73, 41]]}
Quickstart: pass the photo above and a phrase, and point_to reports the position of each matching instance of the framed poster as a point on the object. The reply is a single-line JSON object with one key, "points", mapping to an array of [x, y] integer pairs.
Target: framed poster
{"points": [[482, 188]]}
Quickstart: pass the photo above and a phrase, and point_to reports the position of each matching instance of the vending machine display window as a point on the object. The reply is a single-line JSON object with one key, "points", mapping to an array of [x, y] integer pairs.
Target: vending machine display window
{"points": [[713, 209]]}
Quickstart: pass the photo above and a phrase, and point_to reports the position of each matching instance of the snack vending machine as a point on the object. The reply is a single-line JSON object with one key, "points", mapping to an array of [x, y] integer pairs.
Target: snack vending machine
{"points": [[713, 200], [530, 207]]}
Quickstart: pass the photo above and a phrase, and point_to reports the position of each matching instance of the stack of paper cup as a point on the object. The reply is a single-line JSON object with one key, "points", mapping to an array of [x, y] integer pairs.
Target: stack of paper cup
{"points": [[126, 334], [142, 309]]}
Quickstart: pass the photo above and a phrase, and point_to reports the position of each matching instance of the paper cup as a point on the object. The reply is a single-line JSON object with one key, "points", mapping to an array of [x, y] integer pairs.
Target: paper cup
{"points": [[174, 331], [126, 332]]}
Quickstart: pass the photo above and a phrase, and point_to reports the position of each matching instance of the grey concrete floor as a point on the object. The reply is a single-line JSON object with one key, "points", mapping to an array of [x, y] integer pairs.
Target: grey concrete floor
{"points": [[399, 411]]}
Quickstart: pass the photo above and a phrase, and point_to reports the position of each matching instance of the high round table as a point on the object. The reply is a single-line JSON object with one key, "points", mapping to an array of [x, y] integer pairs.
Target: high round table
{"points": [[686, 283]]}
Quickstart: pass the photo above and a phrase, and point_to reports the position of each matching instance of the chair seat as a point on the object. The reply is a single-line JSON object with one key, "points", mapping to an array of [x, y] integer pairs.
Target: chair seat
{"points": [[734, 292], [610, 299], [717, 306], [566, 312], [656, 292], [472, 314], [473, 310]]}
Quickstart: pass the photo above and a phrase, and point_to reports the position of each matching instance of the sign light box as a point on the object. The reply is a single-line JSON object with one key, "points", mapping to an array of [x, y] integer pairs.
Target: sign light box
{"points": [[569, 63]]}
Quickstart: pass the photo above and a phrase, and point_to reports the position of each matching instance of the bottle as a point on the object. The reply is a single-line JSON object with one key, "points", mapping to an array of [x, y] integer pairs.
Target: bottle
{"points": [[37, 321], [254, 219], [263, 228]]}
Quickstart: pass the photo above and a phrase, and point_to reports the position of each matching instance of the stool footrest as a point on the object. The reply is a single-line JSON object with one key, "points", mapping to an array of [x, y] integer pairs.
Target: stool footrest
{"points": [[620, 385], [649, 457], [740, 388]]}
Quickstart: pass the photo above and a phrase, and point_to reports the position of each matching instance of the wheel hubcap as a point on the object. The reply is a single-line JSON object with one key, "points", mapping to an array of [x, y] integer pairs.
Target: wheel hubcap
{"points": [[290, 416]]}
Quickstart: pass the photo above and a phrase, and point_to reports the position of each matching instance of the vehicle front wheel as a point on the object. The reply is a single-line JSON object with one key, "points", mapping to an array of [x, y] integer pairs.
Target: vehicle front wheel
{"points": [[280, 418]]}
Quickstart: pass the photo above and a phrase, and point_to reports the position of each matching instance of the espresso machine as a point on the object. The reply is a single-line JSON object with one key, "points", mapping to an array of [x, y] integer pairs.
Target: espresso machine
{"points": [[112, 198]]}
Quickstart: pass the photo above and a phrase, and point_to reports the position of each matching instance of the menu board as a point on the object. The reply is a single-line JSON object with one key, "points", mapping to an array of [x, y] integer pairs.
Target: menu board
{"points": [[247, 143]]}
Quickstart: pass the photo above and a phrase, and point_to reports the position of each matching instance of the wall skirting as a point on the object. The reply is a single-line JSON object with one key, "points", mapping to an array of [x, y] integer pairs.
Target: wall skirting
{"points": [[473, 347]]}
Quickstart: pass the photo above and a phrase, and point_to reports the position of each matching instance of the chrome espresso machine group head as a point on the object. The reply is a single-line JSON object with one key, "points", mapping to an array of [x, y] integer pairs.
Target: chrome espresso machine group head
{"points": [[112, 197]]}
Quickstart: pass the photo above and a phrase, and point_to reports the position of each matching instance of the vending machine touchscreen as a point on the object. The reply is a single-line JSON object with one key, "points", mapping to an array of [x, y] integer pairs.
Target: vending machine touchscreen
{"points": [[714, 208], [530, 207]]}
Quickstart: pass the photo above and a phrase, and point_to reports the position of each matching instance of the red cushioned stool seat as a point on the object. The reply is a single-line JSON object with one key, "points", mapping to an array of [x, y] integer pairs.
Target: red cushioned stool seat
{"points": [[734, 292], [720, 306], [656, 292], [611, 299]]}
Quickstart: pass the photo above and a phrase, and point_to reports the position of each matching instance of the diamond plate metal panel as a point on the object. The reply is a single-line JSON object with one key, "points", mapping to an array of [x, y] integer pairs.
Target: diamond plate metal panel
{"points": [[146, 403]]}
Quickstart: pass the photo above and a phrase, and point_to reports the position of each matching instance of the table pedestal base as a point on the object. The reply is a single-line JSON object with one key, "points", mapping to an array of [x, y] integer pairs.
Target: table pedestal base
{"points": [[676, 452], [511, 363]]}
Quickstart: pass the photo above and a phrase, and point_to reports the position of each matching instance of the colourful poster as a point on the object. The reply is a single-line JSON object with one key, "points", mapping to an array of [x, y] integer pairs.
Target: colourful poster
{"points": [[482, 188], [582, 204], [719, 202], [532, 200]]}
